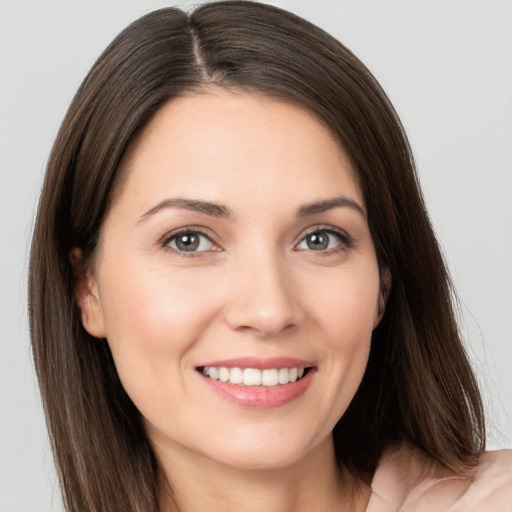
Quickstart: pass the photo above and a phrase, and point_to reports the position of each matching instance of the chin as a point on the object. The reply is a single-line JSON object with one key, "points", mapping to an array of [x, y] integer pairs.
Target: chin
{"points": [[263, 452]]}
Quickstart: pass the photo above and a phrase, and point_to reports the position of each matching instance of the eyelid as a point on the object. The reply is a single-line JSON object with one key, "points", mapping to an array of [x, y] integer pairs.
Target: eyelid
{"points": [[199, 230], [346, 240]]}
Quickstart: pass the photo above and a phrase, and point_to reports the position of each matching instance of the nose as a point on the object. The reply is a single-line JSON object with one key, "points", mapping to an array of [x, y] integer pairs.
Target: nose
{"points": [[263, 298]]}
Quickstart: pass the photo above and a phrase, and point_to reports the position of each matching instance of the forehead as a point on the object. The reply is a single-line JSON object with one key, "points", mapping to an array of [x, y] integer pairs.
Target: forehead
{"points": [[226, 146]]}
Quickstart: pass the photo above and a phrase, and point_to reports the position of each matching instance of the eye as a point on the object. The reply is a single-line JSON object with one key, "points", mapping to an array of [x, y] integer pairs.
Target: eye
{"points": [[190, 241], [323, 240]]}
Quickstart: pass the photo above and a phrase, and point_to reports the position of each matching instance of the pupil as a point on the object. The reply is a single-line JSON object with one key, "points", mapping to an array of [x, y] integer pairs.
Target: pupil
{"points": [[318, 241], [187, 242]]}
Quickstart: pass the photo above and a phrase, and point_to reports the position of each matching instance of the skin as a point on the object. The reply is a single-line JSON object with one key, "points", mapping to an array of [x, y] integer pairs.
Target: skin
{"points": [[254, 288]]}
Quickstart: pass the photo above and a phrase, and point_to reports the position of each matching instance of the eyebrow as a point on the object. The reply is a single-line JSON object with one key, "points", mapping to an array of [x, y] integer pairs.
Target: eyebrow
{"points": [[329, 204], [221, 211], [212, 209]]}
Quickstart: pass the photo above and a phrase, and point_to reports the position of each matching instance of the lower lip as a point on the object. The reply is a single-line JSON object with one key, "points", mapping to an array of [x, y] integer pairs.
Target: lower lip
{"points": [[261, 397]]}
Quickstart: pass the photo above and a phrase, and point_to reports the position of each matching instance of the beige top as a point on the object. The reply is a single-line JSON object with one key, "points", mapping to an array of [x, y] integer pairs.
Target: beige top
{"points": [[408, 481]]}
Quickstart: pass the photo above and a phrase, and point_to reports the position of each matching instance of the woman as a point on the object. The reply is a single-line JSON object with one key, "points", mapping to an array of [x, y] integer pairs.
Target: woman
{"points": [[236, 298]]}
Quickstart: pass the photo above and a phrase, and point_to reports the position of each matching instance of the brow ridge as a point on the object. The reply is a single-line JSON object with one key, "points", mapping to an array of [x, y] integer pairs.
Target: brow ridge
{"points": [[206, 207], [221, 211], [328, 204]]}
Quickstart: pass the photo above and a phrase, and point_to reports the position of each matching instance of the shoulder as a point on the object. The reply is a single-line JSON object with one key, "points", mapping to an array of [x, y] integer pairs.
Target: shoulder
{"points": [[407, 480]]}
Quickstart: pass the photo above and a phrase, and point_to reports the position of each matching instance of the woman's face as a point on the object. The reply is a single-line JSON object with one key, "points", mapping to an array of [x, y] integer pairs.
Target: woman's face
{"points": [[237, 247]]}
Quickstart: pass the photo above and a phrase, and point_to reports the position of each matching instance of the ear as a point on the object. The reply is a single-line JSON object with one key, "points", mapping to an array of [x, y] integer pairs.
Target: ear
{"points": [[385, 287], [87, 296]]}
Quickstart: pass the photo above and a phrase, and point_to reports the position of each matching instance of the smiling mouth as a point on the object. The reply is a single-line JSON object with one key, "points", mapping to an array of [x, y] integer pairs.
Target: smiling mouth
{"points": [[247, 377]]}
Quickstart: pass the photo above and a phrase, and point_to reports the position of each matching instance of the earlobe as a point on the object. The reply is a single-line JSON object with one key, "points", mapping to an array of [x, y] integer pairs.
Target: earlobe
{"points": [[87, 296]]}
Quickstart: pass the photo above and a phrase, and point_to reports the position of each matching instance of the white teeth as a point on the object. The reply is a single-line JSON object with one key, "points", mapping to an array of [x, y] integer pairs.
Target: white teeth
{"points": [[223, 374], [284, 376], [254, 376], [236, 376], [269, 377]]}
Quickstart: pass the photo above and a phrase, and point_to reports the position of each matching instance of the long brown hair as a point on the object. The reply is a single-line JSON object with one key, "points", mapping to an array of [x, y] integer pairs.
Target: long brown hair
{"points": [[418, 385]]}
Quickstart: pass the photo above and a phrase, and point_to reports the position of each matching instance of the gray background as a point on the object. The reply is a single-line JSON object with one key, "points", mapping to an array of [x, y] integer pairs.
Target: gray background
{"points": [[446, 66]]}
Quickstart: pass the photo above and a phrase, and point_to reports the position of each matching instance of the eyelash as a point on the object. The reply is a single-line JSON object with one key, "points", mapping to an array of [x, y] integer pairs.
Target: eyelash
{"points": [[188, 230], [346, 241]]}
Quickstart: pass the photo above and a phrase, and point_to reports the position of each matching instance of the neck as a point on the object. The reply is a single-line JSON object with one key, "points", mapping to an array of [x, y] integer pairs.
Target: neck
{"points": [[314, 483]]}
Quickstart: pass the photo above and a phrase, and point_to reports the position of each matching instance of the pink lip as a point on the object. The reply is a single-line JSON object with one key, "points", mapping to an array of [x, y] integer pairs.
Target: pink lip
{"points": [[261, 363], [261, 397]]}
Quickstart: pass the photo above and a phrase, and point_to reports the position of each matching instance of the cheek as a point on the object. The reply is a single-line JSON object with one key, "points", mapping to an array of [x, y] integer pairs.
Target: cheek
{"points": [[152, 321], [154, 307], [347, 341], [345, 317], [347, 306]]}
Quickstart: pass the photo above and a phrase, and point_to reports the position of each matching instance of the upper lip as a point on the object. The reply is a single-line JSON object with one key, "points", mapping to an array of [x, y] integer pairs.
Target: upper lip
{"points": [[262, 363]]}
